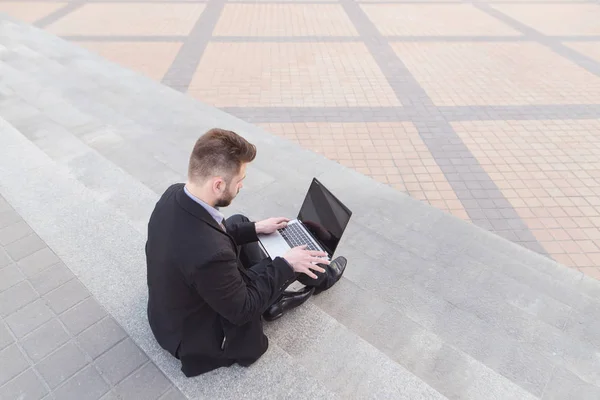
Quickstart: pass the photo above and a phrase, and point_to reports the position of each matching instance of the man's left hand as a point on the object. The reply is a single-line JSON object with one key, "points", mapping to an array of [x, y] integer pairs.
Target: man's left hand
{"points": [[270, 225]]}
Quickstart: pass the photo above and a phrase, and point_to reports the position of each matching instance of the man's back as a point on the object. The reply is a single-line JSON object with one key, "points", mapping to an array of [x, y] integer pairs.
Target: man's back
{"points": [[191, 261]]}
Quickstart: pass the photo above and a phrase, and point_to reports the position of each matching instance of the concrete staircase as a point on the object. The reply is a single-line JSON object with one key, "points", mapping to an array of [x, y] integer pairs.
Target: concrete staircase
{"points": [[430, 307]]}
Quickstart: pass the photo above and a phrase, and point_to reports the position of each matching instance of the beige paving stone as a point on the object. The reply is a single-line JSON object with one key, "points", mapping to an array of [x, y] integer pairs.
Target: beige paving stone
{"points": [[392, 153], [150, 59], [284, 20], [107, 19], [497, 74], [556, 19], [286, 74], [29, 12], [589, 49], [550, 173], [434, 20]]}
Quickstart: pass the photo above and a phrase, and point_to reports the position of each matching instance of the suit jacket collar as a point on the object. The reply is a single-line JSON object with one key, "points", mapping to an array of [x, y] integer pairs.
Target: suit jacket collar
{"points": [[200, 212], [196, 209]]}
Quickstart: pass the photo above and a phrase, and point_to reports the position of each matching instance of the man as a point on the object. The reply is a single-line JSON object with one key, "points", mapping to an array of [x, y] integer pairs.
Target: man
{"points": [[209, 283]]}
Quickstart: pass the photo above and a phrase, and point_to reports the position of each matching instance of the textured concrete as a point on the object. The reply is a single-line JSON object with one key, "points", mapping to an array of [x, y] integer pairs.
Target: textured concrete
{"points": [[410, 93], [430, 307], [57, 342]]}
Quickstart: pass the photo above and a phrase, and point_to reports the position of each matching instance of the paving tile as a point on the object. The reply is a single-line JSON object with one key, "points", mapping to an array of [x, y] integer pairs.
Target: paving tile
{"points": [[101, 336], [400, 152], [4, 206], [25, 246], [44, 340], [150, 59], [173, 394], [566, 385], [66, 296], [51, 278], [38, 261], [120, 361], [446, 86], [111, 396], [129, 19], [8, 217], [85, 385], [13, 363], [29, 12], [284, 20], [14, 232], [82, 316], [61, 364], [26, 386], [29, 318], [16, 297], [10, 276], [556, 19], [592, 50], [434, 20], [6, 337], [4, 258], [305, 75], [147, 383]]}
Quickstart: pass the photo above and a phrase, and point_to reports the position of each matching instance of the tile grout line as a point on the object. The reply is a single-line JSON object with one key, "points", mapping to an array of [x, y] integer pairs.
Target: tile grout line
{"points": [[404, 114], [435, 130], [90, 361], [58, 14], [182, 69], [548, 41], [17, 341]]}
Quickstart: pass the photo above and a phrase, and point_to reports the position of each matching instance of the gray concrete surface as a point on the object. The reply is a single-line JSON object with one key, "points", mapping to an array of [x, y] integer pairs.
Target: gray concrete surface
{"points": [[56, 341], [430, 307]]}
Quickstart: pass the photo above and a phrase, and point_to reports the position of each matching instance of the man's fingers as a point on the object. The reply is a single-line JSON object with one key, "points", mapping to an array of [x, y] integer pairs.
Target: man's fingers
{"points": [[315, 253], [319, 260], [308, 272], [315, 267]]}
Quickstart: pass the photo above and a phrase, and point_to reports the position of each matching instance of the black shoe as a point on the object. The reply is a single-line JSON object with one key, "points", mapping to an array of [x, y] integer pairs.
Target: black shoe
{"points": [[286, 302], [334, 272]]}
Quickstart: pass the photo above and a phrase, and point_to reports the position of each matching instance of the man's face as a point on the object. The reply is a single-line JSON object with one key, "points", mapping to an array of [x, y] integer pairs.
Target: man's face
{"points": [[232, 188]]}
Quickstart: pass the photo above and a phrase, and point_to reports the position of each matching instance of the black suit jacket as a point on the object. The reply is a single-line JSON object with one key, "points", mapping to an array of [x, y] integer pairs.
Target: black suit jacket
{"points": [[203, 306]]}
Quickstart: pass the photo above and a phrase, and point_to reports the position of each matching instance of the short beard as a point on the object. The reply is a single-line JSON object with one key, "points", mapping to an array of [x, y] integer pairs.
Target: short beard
{"points": [[224, 202]]}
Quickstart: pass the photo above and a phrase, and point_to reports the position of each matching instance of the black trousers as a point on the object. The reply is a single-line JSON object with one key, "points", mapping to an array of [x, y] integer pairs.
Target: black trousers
{"points": [[253, 258]]}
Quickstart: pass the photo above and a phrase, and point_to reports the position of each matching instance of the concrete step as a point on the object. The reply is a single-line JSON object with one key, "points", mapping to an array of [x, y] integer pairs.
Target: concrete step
{"points": [[428, 300], [115, 274]]}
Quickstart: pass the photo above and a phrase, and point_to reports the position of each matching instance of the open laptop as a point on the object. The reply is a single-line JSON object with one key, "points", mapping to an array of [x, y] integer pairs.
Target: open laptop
{"points": [[320, 225]]}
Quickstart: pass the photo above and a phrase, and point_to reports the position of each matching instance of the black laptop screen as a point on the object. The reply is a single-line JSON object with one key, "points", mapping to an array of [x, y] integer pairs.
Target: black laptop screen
{"points": [[324, 216]]}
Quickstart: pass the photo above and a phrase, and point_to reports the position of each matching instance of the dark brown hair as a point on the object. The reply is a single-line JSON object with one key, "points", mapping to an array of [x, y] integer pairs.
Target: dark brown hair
{"points": [[219, 152]]}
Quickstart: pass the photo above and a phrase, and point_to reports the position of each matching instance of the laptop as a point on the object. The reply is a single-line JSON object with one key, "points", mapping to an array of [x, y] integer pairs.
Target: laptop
{"points": [[320, 225]]}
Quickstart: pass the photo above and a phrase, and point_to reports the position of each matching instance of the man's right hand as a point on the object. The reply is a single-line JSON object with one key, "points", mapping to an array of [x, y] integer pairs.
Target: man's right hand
{"points": [[303, 261]]}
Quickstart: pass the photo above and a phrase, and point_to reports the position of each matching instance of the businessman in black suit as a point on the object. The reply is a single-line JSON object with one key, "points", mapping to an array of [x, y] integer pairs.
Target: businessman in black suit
{"points": [[209, 284]]}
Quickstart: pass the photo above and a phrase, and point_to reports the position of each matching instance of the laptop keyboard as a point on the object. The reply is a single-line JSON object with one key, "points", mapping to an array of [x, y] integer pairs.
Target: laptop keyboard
{"points": [[294, 235]]}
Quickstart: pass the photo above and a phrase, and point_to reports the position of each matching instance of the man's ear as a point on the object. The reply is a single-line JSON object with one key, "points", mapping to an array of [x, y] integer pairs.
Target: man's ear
{"points": [[218, 184]]}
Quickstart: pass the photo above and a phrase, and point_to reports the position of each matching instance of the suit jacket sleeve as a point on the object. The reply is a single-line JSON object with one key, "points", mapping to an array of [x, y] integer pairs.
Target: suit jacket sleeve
{"points": [[221, 285], [243, 232]]}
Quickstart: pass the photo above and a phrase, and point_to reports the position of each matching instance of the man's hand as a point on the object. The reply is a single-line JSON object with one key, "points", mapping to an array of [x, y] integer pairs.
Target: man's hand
{"points": [[303, 261], [270, 225]]}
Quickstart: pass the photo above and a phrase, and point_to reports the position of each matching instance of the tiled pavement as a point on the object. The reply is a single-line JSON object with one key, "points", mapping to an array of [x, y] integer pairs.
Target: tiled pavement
{"points": [[430, 307], [56, 341], [485, 109]]}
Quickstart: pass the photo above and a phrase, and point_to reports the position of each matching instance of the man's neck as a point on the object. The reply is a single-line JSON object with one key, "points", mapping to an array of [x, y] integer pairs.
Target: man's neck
{"points": [[199, 193]]}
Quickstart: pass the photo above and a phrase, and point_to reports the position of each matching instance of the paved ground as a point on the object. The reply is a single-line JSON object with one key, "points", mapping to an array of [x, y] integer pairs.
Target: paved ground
{"points": [[486, 109], [430, 307], [56, 341]]}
